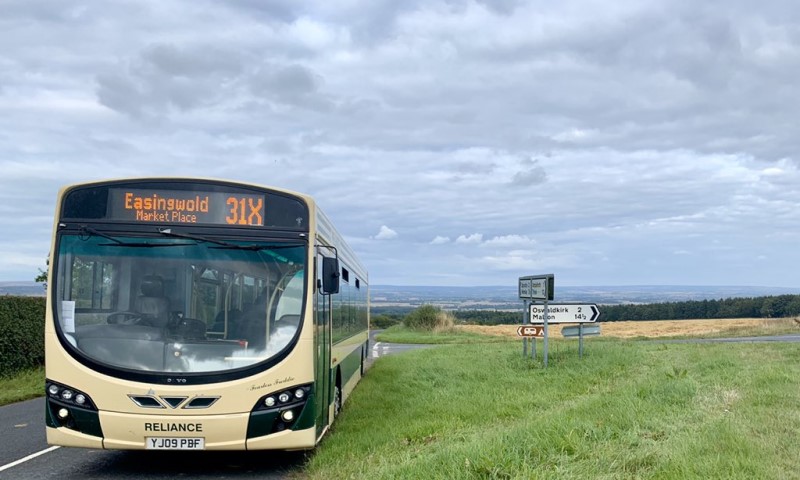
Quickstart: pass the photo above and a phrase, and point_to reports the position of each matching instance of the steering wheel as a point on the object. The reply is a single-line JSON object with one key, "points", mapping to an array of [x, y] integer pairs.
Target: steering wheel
{"points": [[125, 318]]}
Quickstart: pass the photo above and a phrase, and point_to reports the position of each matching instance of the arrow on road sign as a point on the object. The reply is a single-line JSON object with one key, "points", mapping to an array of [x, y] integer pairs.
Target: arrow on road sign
{"points": [[565, 313]]}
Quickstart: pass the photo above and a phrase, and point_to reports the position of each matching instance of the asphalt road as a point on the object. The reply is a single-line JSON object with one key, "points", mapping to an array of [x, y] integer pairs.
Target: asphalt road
{"points": [[775, 338], [381, 349], [24, 453]]}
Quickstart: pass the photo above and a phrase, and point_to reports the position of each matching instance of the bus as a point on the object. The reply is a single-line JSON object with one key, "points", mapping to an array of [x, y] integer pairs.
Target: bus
{"points": [[199, 314]]}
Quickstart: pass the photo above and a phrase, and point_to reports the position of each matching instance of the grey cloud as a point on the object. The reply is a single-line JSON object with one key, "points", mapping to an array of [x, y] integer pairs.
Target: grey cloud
{"points": [[504, 7], [196, 62], [290, 80], [628, 78], [476, 168], [119, 93], [369, 22], [165, 77], [294, 85], [274, 10], [43, 11], [150, 95], [531, 174]]}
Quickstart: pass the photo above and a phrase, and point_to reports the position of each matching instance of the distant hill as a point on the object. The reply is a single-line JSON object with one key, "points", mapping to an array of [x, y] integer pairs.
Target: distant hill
{"points": [[506, 297], [22, 289]]}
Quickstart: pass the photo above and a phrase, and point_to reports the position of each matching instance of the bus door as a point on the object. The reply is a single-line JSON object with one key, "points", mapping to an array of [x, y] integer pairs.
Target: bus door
{"points": [[322, 337]]}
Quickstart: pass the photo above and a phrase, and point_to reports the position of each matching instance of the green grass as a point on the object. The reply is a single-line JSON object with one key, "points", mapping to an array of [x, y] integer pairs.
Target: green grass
{"points": [[22, 386], [402, 334], [626, 410]]}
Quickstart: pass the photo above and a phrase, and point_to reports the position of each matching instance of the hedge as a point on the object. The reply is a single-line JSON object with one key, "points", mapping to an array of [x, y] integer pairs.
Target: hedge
{"points": [[21, 333]]}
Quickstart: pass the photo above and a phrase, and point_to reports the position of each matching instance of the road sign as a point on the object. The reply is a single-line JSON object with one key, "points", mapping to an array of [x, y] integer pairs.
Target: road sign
{"points": [[530, 331], [537, 287], [575, 331], [565, 313]]}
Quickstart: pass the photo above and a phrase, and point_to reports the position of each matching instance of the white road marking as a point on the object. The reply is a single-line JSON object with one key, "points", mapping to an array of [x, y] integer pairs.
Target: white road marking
{"points": [[376, 350], [29, 457]]}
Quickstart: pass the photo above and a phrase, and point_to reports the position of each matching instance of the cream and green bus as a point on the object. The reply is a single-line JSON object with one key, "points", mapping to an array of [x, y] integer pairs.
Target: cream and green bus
{"points": [[191, 314]]}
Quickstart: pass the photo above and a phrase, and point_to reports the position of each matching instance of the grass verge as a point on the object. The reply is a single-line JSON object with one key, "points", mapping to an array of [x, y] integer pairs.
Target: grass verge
{"points": [[627, 410], [24, 385], [402, 334]]}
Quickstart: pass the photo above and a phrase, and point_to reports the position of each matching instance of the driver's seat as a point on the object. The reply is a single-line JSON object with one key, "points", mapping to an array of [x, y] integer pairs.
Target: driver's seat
{"points": [[152, 303]]}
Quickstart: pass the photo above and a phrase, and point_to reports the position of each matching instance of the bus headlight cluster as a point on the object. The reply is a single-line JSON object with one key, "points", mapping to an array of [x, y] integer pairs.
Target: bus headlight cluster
{"points": [[68, 396], [289, 397]]}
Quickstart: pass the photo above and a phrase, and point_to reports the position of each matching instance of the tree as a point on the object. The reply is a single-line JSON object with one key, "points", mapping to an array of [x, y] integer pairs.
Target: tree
{"points": [[42, 277]]}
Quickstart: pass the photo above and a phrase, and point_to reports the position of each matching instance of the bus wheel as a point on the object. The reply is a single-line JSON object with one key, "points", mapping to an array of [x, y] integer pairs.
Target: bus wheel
{"points": [[337, 400]]}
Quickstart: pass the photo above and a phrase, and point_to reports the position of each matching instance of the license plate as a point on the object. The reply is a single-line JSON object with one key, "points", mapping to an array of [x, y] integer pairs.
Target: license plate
{"points": [[174, 443]]}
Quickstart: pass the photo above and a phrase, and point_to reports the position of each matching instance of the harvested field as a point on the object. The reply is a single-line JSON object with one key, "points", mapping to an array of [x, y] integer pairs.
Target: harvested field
{"points": [[668, 328]]}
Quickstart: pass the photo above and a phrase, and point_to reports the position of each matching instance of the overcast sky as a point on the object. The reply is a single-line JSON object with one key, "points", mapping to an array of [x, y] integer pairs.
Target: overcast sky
{"points": [[452, 142]]}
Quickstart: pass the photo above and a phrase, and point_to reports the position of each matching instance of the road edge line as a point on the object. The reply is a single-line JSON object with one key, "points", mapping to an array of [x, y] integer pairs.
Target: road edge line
{"points": [[29, 457]]}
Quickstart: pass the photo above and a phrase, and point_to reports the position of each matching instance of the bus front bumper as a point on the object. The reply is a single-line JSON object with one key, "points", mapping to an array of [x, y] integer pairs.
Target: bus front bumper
{"points": [[123, 431]]}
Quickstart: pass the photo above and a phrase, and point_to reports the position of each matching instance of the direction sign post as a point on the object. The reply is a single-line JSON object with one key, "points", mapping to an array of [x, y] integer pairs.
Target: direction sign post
{"points": [[536, 291], [532, 288]]}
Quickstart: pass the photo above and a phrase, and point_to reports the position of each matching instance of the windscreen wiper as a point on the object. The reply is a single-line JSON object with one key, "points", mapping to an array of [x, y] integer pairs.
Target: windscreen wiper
{"points": [[169, 233], [92, 231], [120, 243], [221, 244]]}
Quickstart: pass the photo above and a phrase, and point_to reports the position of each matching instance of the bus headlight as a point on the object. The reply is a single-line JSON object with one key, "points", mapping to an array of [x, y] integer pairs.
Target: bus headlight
{"points": [[286, 409], [292, 397], [68, 396]]}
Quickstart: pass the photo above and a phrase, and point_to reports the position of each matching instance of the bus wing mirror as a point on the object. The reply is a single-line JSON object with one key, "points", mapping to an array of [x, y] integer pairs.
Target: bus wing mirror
{"points": [[330, 275]]}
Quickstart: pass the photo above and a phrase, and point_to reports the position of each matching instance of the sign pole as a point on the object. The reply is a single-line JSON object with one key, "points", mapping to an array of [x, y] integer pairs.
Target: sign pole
{"points": [[533, 339], [545, 333], [525, 315], [580, 340]]}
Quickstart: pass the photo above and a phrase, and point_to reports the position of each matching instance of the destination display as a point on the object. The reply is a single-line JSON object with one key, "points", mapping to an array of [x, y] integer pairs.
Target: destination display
{"points": [[184, 206]]}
